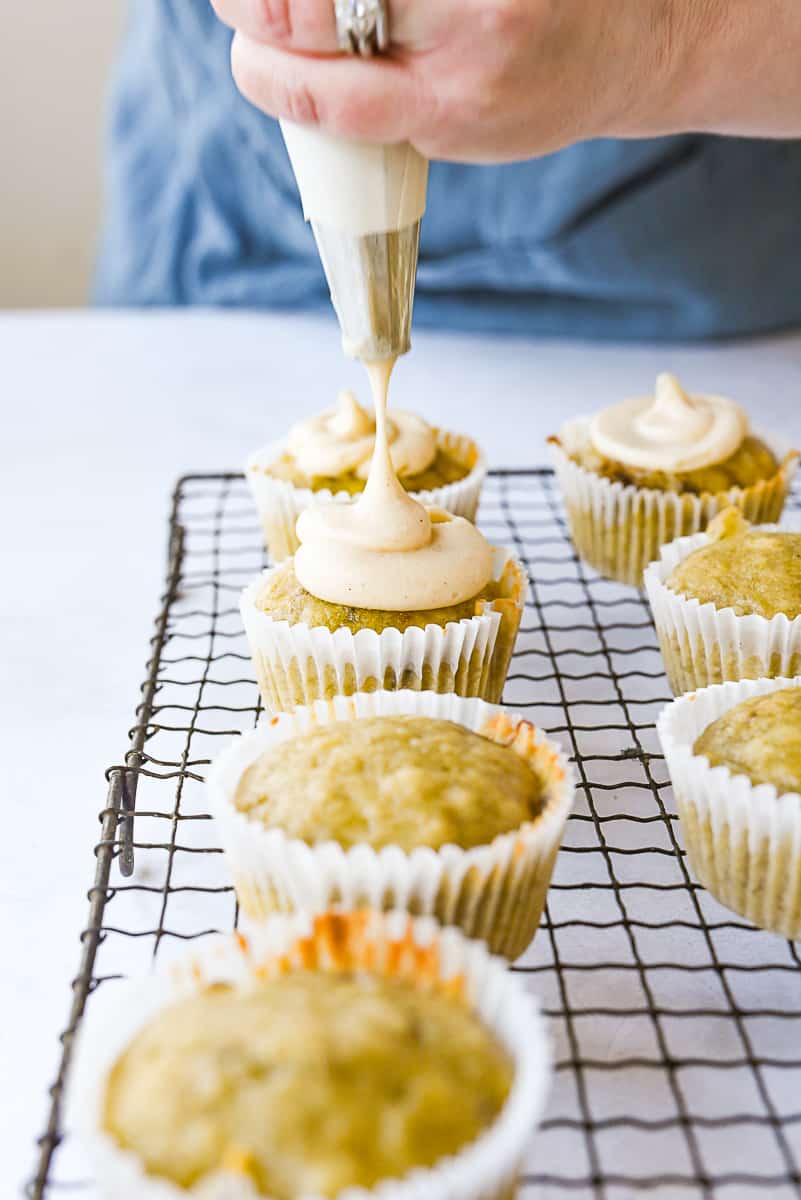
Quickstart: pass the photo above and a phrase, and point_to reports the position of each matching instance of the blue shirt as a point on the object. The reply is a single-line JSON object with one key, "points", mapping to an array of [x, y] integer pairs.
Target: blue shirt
{"points": [[686, 236]]}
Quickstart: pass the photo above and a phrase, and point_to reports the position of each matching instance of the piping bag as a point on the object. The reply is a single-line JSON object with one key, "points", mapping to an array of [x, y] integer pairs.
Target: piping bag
{"points": [[365, 203]]}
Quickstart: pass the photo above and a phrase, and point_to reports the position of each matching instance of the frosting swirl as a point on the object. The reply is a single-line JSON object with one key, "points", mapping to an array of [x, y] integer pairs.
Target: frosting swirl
{"points": [[385, 550], [669, 431], [453, 564], [343, 439]]}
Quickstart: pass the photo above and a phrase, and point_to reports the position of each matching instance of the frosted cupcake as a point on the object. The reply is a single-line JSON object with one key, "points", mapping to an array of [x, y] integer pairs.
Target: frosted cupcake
{"points": [[355, 1054], [734, 756], [434, 804], [305, 648], [383, 593], [651, 469], [727, 603], [328, 458]]}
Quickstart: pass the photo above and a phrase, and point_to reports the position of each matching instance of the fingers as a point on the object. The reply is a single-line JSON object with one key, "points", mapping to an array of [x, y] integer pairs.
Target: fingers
{"points": [[295, 24], [310, 25], [375, 100]]}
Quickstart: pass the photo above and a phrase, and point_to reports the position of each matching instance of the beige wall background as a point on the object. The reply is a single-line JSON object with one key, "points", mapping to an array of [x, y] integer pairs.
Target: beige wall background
{"points": [[55, 57]]}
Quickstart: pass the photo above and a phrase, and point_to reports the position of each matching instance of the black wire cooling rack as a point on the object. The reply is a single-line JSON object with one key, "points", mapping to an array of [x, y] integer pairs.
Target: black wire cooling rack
{"points": [[677, 1027]]}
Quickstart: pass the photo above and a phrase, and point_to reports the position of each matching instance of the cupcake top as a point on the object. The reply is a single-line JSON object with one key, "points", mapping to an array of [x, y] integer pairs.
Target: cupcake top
{"points": [[669, 431], [344, 440], [306, 1083], [385, 550], [675, 442], [283, 598], [748, 569], [333, 450], [760, 738], [403, 781]]}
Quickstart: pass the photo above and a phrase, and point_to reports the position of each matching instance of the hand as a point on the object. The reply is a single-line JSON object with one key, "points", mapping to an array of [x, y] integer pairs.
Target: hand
{"points": [[498, 80]]}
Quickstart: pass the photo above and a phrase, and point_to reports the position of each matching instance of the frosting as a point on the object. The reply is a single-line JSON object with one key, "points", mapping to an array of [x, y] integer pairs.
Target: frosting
{"points": [[343, 439], [669, 431], [385, 550], [453, 564]]}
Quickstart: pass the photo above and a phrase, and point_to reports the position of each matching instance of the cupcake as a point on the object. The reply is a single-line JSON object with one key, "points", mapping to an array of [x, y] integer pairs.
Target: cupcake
{"points": [[655, 468], [383, 592], [305, 648], [328, 457], [734, 756], [349, 1052], [397, 800], [727, 603]]}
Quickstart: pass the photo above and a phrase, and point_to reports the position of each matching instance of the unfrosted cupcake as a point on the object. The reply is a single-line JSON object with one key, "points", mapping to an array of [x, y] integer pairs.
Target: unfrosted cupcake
{"points": [[727, 603], [351, 1052], [305, 649], [434, 804], [326, 458], [651, 469], [734, 756]]}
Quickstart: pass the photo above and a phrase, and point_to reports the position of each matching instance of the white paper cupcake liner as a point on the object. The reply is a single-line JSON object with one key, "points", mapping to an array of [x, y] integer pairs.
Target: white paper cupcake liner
{"points": [[391, 944], [702, 644], [743, 841], [495, 892], [280, 502], [619, 528], [296, 665]]}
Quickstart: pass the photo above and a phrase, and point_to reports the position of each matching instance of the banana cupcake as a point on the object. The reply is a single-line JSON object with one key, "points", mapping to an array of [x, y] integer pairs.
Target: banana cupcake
{"points": [[306, 648], [383, 593], [727, 603], [734, 755], [349, 1052], [398, 800], [327, 458], [654, 468]]}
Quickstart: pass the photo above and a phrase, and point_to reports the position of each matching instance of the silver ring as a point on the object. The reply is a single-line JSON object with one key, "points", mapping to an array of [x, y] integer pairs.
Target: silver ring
{"points": [[362, 26]]}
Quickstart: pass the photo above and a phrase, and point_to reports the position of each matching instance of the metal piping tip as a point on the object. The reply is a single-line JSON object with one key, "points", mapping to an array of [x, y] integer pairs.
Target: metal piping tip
{"points": [[371, 279]]}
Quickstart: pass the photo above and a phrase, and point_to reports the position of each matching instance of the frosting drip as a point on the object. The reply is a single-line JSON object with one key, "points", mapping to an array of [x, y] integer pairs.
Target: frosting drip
{"points": [[385, 550], [343, 439], [669, 431]]}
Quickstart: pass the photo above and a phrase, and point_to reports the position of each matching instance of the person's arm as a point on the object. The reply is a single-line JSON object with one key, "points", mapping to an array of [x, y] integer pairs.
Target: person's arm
{"points": [[497, 80]]}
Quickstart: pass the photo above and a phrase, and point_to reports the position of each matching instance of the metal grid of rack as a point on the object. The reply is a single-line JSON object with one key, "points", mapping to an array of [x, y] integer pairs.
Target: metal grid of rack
{"points": [[677, 1026]]}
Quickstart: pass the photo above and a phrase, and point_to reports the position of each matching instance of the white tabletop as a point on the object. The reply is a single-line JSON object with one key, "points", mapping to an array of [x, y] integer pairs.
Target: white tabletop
{"points": [[101, 413]]}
